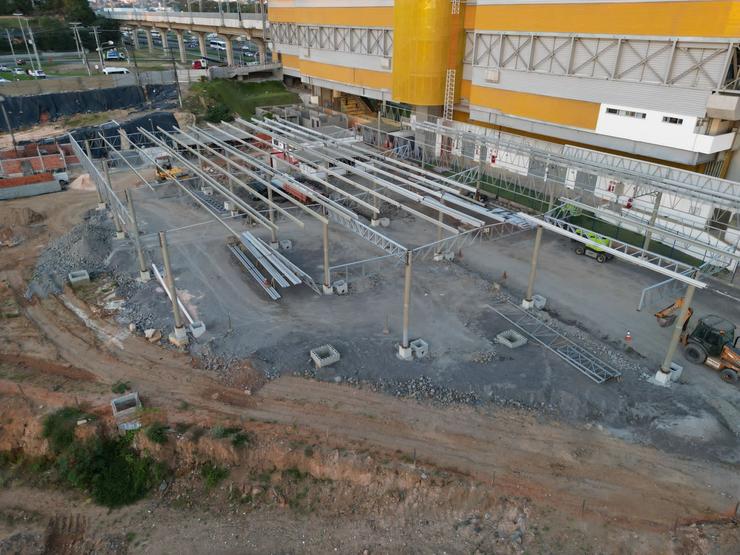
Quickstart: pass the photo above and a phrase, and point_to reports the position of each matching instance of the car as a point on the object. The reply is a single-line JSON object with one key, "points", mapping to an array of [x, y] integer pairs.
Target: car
{"points": [[18, 71], [4, 68], [114, 55], [201, 63], [37, 73], [20, 62], [4, 80], [115, 71]]}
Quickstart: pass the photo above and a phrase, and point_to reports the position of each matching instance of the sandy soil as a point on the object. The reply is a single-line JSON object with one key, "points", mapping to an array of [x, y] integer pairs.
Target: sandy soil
{"points": [[579, 490]]}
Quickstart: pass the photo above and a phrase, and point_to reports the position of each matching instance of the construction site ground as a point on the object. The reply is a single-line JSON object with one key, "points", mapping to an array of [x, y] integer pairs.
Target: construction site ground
{"points": [[493, 450]]}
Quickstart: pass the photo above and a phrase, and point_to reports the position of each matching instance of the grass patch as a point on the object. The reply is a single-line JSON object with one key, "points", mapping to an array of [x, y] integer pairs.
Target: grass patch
{"points": [[240, 439], [219, 99], [157, 432], [121, 387], [213, 474], [59, 427]]}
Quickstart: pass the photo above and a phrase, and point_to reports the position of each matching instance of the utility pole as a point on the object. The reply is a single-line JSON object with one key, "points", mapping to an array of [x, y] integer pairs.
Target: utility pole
{"points": [[78, 39], [97, 45], [23, 34], [10, 42], [177, 79], [35, 50]]}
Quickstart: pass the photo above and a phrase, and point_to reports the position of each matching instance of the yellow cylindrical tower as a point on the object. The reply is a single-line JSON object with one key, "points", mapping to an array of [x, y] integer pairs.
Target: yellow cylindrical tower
{"points": [[426, 42]]}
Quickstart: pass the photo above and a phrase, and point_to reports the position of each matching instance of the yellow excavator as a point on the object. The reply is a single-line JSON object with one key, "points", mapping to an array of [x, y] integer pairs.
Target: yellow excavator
{"points": [[712, 342], [165, 171]]}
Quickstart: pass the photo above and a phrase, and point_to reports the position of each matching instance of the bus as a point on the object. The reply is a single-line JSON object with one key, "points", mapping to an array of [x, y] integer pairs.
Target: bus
{"points": [[217, 44]]}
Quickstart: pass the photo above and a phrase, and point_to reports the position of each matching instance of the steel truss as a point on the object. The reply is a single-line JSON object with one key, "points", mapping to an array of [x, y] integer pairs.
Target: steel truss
{"points": [[356, 40], [686, 63], [369, 234], [571, 352]]}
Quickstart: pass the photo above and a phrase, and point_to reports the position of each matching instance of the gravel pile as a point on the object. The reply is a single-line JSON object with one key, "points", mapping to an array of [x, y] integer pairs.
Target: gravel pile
{"points": [[86, 247]]}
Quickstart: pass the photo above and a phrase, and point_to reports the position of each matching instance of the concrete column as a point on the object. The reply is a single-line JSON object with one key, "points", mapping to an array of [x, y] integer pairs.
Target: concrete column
{"points": [[165, 42], [149, 40], [181, 46], [261, 50], [229, 52], [527, 302], [327, 273], [202, 44], [663, 375], [143, 270], [653, 217], [179, 336], [404, 350]]}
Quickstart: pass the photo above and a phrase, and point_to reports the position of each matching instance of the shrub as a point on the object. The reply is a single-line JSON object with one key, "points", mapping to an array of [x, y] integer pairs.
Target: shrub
{"points": [[239, 439], [59, 427], [110, 470], [157, 432], [213, 474], [218, 112], [120, 387]]}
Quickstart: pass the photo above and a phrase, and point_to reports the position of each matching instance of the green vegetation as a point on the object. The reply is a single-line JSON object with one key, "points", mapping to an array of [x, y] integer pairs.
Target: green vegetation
{"points": [[59, 428], [220, 99], [107, 468], [120, 387], [110, 470], [157, 432], [213, 474]]}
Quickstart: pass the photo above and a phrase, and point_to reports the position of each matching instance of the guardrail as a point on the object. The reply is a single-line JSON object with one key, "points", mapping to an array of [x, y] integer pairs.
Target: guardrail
{"points": [[209, 19]]}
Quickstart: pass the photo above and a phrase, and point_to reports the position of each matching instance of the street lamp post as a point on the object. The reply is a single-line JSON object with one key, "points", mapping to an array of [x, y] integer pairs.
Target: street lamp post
{"points": [[23, 34]]}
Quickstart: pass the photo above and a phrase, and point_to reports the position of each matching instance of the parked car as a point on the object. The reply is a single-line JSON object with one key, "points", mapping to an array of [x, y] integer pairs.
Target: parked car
{"points": [[4, 68], [200, 63], [4, 80], [115, 71], [37, 73], [18, 71], [20, 62]]}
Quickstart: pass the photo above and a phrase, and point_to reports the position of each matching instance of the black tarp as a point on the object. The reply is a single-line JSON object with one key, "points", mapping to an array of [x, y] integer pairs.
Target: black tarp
{"points": [[26, 111]]}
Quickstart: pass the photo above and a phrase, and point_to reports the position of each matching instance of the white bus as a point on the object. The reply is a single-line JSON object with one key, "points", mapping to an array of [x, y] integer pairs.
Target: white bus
{"points": [[217, 44]]}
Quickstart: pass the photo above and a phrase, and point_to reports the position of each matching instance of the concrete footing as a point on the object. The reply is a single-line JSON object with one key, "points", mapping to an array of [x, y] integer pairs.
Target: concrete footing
{"points": [[662, 378], [120, 235], [101, 206], [145, 276], [327, 289], [527, 304], [78, 277], [197, 328], [511, 339], [405, 353], [374, 222], [420, 348], [325, 355], [179, 337]]}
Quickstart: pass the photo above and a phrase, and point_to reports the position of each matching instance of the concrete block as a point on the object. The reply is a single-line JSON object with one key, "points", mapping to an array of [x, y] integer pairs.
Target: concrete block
{"points": [[385, 222], [101, 206], [449, 256], [145, 276], [511, 339], [325, 355], [208, 191], [120, 235], [676, 371], [405, 353], [539, 301], [78, 278], [286, 244], [227, 205], [197, 328], [662, 378], [179, 337], [327, 289], [340, 287], [527, 304], [420, 348], [374, 222], [125, 409]]}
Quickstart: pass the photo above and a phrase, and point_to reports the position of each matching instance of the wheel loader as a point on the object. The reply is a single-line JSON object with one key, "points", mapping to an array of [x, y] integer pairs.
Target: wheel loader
{"points": [[165, 171]]}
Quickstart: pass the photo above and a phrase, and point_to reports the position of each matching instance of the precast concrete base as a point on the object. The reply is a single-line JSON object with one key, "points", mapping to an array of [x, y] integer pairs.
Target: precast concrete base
{"points": [[662, 378], [234, 213], [120, 235], [374, 222], [275, 245], [145, 276], [101, 206], [527, 304], [405, 353], [438, 257], [327, 289], [179, 337]]}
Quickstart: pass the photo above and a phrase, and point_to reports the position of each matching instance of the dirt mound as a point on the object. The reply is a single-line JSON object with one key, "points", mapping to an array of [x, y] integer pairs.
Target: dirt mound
{"points": [[83, 183], [20, 216]]}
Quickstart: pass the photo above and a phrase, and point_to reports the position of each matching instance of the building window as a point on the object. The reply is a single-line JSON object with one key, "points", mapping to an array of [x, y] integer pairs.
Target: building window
{"points": [[626, 113], [669, 119]]}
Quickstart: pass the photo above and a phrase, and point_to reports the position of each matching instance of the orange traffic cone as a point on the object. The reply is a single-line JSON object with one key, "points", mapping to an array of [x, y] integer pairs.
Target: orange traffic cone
{"points": [[628, 336]]}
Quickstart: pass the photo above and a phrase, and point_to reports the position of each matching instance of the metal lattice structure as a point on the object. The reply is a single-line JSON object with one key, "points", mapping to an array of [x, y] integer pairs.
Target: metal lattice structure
{"points": [[369, 234], [571, 352], [356, 40], [689, 63]]}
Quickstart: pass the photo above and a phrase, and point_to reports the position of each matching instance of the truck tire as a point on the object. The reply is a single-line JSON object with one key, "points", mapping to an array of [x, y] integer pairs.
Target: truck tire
{"points": [[695, 353], [580, 250], [729, 375], [601, 258]]}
